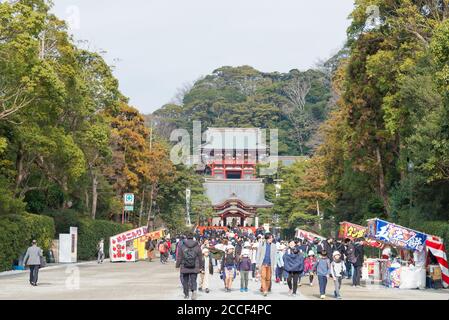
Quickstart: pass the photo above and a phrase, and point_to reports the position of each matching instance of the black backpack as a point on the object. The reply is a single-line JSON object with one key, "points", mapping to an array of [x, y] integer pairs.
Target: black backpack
{"points": [[189, 258]]}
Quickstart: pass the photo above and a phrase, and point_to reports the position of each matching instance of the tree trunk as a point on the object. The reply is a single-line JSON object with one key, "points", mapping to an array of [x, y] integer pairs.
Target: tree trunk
{"points": [[94, 195], [65, 189], [381, 179], [19, 167], [151, 207], [86, 199]]}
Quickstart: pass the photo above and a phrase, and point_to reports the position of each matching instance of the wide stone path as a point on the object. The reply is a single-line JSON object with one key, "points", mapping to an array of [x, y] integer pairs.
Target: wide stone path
{"points": [[144, 280]]}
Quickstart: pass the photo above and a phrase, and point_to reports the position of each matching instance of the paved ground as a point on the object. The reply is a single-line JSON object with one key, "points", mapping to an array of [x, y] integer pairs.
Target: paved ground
{"points": [[143, 280]]}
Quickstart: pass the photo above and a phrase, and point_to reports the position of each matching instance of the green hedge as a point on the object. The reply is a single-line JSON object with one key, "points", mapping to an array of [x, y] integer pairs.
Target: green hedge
{"points": [[89, 231], [17, 232]]}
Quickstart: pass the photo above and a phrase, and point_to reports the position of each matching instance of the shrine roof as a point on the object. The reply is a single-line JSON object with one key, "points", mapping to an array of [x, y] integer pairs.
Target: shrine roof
{"points": [[250, 192]]}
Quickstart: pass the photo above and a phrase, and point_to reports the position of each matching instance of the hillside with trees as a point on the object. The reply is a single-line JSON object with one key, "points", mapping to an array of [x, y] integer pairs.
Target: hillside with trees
{"points": [[296, 103]]}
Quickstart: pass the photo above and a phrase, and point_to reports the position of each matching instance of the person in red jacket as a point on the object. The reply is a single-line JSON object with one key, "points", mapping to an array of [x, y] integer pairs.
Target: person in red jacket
{"points": [[168, 246]]}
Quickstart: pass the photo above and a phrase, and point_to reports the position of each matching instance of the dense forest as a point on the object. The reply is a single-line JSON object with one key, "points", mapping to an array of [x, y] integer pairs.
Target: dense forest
{"points": [[69, 141], [385, 150]]}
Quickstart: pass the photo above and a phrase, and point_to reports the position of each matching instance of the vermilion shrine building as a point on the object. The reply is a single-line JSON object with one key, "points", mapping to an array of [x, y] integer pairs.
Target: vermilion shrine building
{"points": [[230, 156]]}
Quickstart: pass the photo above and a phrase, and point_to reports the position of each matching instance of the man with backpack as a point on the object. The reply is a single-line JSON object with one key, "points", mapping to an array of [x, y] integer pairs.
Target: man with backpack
{"points": [[191, 263]]}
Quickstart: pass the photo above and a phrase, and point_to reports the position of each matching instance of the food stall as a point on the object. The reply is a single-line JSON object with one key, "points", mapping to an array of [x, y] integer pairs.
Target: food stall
{"points": [[353, 231], [372, 267], [129, 246], [407, 271], [309, 236]]}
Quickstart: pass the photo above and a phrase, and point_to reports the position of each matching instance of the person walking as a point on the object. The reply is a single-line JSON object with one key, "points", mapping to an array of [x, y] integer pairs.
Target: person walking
{"points": [[100, 250], [149, 246], [359, 253], [349, 257], [280, 264], [206, 272], [266, 262], [323, 269], [190, 262], [328, 246], [338, 270], [244, 267], [163, 251], [228, 267], [254, 248], [309, 264], [294, 266], [169, 245], [32, 259]]}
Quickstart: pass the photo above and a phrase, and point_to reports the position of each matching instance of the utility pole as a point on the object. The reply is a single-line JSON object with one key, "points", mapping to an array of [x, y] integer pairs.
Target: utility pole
{"points": [[319, 214], [188, 222]]}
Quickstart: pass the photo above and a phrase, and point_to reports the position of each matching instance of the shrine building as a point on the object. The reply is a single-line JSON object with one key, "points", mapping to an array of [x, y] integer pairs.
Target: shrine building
{"points": [[230, 156]]}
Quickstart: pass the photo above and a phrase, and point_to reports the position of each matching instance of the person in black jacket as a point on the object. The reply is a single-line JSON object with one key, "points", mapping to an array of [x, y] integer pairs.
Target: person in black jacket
{"points": [[339, 246], [294, 266], [349, 249], [327, 245], [191, 263], [359, 254]]}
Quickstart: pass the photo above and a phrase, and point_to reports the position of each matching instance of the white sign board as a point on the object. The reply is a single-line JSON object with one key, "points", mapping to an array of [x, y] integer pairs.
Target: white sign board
{"points": [[68, 243], [65, 248], [128, 199], [74, 243]]}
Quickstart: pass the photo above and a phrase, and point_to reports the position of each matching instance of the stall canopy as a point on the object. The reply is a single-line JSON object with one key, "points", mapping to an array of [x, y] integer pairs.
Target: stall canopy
{"points": [[354, 231], [401, 237], [436, 246], [310, 236]]}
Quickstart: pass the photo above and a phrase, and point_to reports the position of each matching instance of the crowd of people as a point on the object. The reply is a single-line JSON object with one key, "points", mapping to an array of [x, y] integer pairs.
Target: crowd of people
{"points": [[260, 257]]}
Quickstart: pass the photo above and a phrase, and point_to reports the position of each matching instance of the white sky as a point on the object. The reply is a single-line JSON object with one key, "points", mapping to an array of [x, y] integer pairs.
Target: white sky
{"points": [[158, 45]]}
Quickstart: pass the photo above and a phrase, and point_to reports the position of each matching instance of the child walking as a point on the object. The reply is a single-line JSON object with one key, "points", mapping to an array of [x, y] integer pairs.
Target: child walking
{"points": [[254, 271], [323, 269], [244, 268], [228, 266], [280, 264], [206, 272], [338, 270], [309, 264]]}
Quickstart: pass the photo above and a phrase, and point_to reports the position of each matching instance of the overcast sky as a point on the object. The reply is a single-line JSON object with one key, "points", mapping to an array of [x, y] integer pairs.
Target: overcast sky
{"points": [[158, 45]]}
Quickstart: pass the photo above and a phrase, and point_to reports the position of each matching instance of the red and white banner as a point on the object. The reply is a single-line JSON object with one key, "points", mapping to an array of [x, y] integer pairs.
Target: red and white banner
{"points": [[436, 246]]}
